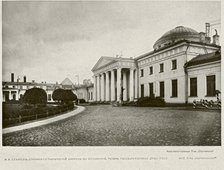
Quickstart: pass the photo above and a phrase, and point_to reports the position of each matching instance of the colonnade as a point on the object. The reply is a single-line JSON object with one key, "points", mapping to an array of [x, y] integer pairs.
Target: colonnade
{"points": [[116, 85]]}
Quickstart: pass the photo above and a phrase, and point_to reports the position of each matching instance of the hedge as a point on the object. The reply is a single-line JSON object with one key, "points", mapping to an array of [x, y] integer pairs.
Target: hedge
{"points": [[27, 114], [150, 101]]}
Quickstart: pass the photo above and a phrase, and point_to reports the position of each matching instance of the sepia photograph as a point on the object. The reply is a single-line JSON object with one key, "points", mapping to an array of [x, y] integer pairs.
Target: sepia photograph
{"points": [[111, 85], [111, 73], [79, 73]]}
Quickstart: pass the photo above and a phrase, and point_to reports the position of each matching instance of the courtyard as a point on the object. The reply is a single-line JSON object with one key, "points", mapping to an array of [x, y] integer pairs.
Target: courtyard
{"points": [[104, 125]]}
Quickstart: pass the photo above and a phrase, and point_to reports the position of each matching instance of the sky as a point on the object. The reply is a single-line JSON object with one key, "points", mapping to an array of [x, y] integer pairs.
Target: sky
{"points": [[49, 41]]}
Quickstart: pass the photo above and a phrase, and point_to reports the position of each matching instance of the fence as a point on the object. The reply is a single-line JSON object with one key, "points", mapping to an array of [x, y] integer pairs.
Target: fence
{"points": [[34, 114]]}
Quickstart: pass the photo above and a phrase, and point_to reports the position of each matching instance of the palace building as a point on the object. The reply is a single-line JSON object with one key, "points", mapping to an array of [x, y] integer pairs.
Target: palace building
{"points": [[184, 66], [14, 90]]}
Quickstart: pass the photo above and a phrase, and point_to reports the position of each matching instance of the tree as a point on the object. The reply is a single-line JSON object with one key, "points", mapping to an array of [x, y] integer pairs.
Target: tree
{"points": [[35, 96], [64, 96], [57, 95]]}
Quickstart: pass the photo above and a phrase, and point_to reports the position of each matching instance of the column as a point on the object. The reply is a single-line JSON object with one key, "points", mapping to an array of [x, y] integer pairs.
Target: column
{"points": [[112, 86], [102, 87], [107, 87], [98, 88], [136, 84], [10, 95], [125, 90], [131, 86], [95, 88], [17, 94], [119, 84]]}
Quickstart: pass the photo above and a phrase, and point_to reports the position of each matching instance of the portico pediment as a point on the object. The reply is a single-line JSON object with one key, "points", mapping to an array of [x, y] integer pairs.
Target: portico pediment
{"points": [[103, 61]]}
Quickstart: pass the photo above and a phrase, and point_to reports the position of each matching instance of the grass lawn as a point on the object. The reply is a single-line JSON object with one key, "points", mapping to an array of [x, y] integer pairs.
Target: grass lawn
{"points": [[126, 126]]}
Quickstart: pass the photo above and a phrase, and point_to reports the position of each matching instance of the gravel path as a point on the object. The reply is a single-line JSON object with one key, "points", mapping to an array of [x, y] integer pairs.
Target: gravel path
{"points": [[126, 126]]}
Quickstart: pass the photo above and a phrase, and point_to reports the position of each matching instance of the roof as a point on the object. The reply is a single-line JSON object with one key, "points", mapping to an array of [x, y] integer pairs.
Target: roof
{"points": [[204, 58], [26, 83], [66, 81], [171, 45], [104, 61], [177, 34]]}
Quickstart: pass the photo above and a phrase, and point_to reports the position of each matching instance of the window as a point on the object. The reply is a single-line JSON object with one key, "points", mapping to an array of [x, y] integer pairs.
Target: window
{"points": [[151, 70], [174, 88], [151, 90], [211, 85], [193, 86], [142, 73], [161, 68], [161, 89], [14, 96], [89, 96], [142, 90], [174, 64], [49, 97]]}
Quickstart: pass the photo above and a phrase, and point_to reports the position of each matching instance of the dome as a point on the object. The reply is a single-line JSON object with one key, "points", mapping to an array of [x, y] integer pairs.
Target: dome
{"points": [[177, 34]]}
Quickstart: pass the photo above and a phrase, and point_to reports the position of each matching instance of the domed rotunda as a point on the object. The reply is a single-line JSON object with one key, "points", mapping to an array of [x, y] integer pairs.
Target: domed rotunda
{"points": [[177, 34]]}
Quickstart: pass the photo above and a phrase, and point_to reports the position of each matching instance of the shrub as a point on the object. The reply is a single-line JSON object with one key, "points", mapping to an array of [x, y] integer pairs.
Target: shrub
{"points": [[64, 96], [82, 101], [35, 96], [150, 101]]}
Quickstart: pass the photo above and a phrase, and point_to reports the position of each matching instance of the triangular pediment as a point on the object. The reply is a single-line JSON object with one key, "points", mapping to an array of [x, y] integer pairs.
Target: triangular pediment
{"points": [[66, 81], [103, 61]]}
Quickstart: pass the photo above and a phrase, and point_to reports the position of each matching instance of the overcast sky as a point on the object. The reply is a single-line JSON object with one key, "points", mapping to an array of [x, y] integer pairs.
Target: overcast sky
{"points": [[49, 41]]}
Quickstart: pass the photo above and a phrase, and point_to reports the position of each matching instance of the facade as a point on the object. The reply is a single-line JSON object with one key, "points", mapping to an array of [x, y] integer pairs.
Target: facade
{"points": [[204, 71], [15, 90], [85, 92], [166, 71]]}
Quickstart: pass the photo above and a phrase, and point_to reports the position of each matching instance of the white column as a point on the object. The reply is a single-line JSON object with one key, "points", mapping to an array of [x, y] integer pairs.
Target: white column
{"points": [[119, 84], [107, 87], [112, 86], [125, 91], [136, 84], [131, 85], [10, 95], [98, 88], [102, 87], [17, 95], [95, 88]]}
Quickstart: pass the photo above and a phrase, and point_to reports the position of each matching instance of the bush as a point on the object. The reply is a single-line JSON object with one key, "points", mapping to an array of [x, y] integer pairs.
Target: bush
{"points": [[150, 101], [64, 96], [82, 101], [35, 96]]}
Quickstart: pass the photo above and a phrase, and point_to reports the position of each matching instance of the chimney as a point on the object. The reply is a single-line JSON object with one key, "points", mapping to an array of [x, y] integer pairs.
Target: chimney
{"points": [[207, 33], [208, 40], [12, 77], [202, 37], [24, 79], [207, 29], [216, 38]]}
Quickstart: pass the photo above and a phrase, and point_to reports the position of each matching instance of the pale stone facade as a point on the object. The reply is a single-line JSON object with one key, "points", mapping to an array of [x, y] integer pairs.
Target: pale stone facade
{"points": [[160, 72], [113, 77]]}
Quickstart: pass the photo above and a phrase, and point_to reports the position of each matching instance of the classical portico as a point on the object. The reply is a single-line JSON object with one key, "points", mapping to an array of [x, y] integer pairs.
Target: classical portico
{"points": [[115, 79]]}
